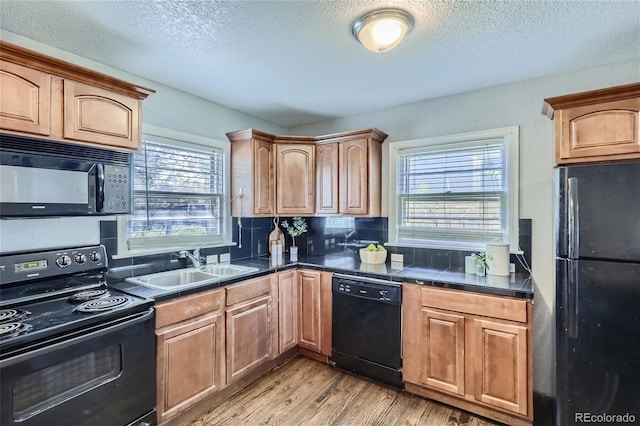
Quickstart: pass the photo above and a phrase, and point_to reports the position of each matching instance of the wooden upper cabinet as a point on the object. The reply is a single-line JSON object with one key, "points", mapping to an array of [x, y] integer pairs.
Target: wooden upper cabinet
{"points": [[295, 165], [53, 99], [25, 104], [327, 179], [92, 114], [336, 174], [253, 178], [354, 170], [599, 125], [263, 179]]}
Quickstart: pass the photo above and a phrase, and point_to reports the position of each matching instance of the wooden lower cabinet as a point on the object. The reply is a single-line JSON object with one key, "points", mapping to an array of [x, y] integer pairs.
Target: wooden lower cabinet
{"points": [[287, 311], [249, 326], [443, 351], [314, 311], [469, 350], [190, 351]]}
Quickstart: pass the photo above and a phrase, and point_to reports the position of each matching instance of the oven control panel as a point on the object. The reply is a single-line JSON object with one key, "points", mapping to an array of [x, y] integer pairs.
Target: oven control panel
{"points": [[51, 263]]}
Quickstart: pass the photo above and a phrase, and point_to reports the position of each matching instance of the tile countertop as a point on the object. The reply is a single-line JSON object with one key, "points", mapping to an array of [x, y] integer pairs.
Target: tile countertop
{"points": [[516, 285]]}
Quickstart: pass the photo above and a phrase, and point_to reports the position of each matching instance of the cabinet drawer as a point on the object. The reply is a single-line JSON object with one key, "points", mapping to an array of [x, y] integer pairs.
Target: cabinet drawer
{"points": [[476, 304], [188, 307], [248, 290]]}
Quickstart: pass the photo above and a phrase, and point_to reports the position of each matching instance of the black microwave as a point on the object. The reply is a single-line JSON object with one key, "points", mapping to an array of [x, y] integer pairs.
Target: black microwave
{"points": [[47, 178]]}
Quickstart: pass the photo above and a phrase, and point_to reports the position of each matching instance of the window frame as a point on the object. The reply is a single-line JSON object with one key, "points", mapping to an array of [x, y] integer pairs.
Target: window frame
{"points": [[188, 141], [511, 140]]}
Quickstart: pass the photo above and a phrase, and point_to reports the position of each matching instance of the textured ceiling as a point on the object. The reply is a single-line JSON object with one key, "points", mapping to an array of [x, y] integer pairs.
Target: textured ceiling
{"points": [[295, 62]]}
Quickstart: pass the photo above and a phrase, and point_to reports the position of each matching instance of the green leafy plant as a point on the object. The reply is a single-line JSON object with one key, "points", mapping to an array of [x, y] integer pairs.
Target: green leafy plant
{"points": [[298, 227], [482, 259]]}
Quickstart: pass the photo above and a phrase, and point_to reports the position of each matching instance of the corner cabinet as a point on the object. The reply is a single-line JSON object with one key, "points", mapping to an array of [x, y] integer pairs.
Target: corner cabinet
{"points": [[184, 375], [337, 174], [599, 125], [52, 99], [469, 350], [349, 173], [295, 179]]}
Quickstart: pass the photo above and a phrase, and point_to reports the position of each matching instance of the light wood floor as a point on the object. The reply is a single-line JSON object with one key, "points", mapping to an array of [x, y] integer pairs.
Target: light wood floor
{"points": [[303, 392]]}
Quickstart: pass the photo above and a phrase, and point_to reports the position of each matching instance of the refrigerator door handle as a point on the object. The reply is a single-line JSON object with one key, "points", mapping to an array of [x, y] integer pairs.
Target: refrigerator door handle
{"points": [[572, 300], [573, 219]]}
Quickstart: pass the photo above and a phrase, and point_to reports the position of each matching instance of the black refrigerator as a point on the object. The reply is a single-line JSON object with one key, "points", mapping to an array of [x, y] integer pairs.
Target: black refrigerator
{"points": [[598, 294]]}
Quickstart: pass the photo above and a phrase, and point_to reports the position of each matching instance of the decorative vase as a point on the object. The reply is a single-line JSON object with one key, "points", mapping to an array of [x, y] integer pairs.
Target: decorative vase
{"points": [[293, 253], [480, 271]]}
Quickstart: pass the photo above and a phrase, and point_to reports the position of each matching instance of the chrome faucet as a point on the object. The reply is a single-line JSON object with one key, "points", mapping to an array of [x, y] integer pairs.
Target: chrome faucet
{"points": [[194, 258]]}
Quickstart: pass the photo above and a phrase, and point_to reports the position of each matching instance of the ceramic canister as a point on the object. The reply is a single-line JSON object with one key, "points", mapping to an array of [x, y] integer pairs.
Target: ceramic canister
{"points": [[498, 259]]}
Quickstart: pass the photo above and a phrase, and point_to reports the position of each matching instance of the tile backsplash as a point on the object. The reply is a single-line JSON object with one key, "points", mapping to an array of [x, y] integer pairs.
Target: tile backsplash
{"points": [[326, 235]]}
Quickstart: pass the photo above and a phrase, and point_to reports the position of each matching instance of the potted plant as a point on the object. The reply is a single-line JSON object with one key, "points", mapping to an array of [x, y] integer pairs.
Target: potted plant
{"points": [[482, 262], [298, 227]]}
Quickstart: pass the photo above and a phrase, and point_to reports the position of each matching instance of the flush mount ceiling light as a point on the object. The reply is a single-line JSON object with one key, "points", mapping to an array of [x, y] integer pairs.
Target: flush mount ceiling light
{"points": [[383, 29]]}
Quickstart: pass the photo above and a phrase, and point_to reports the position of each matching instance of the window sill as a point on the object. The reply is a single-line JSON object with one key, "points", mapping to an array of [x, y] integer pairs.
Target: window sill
{"points": [[445, 246], [161, 250]]}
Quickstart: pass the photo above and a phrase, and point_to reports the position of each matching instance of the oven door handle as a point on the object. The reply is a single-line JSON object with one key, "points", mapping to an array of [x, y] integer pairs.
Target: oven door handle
{"points": [[115, 325]]}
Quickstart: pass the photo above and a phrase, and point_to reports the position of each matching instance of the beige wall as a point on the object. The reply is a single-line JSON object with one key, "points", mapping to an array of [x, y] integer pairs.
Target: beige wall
{"points": [[508, 105]]}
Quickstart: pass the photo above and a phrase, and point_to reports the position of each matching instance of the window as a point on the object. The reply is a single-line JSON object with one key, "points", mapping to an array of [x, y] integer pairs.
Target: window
{"points": [[180, 195], [457, 191]]}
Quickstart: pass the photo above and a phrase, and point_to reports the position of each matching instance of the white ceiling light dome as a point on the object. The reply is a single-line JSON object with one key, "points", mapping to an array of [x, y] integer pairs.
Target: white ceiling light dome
{"points": [[383, 29]]}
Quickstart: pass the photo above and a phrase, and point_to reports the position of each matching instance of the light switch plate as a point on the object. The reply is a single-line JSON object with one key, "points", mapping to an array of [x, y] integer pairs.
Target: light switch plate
{"points": [[397, 257], [225, 258], [212, 258]]}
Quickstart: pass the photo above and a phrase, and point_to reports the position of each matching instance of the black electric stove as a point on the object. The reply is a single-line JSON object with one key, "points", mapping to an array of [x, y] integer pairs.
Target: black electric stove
{"points": [[67, 339], [46, 294]]}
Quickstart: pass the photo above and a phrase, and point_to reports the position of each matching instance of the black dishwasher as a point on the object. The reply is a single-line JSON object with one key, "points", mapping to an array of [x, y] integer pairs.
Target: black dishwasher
{"points": [[367, 339]]}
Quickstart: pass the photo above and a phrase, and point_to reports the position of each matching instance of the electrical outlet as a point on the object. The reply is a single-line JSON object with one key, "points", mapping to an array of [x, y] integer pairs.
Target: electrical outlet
{"points": [[225, 258], [397, 257], [213, 258]]}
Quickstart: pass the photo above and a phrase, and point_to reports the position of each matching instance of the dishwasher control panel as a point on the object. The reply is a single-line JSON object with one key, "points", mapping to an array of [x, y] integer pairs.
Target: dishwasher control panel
{"points": [[368, 289]]}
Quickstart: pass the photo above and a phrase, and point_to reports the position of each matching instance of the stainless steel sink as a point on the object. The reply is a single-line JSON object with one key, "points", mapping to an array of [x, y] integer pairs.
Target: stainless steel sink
{"points": [[178, 278], [228, 270], [183, 278]]}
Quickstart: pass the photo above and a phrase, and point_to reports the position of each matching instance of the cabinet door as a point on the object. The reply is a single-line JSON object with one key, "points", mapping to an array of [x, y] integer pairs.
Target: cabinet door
{"points": [[96, 115], [287, 311], [500, 356], [295, 166], [263, 179], [190, 363], [327, 171], [443, 351], [25, 104], [354, 176], [309, 310], [249, 336], [609, 130]]}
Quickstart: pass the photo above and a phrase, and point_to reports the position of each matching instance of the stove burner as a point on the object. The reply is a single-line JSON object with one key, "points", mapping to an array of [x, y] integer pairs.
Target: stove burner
{"points": [[104, 304], [13, 329], [12, 315], [86, 295]]}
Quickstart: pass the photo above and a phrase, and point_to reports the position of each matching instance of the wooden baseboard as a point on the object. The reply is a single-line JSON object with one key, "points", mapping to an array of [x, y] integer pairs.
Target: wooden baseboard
{"points": [[202, 406], [463, 404], [313, 355]]}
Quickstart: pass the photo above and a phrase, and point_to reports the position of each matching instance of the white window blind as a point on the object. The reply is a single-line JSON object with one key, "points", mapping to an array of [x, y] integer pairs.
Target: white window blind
{"points": [[452, 193], [179, 196]]}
